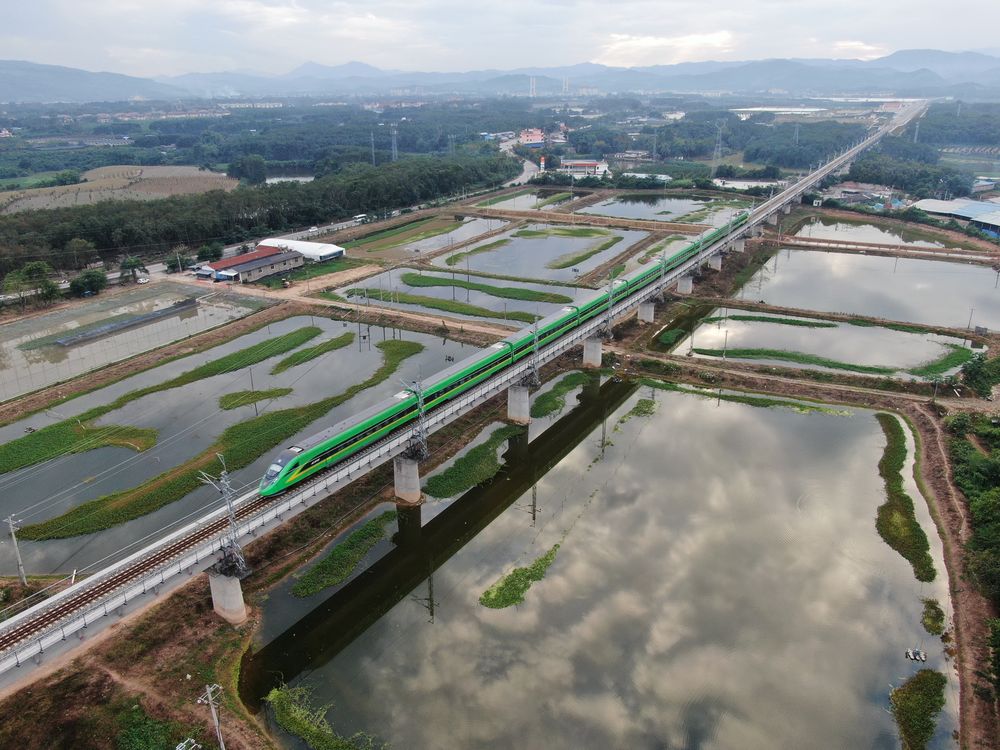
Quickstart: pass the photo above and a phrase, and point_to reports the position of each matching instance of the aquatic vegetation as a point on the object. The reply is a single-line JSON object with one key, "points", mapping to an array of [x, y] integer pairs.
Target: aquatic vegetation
{"points": [[933, 617], [645, 407], [915, 706], [475, 467], [802, 322], [554, 400], [454, 260], [506, 292], [561, 232], [237, 399], [555, 198], [571, 259], [956, 356], [671, 336], [896, 520], [435, 303], [311, 352], [511, 588], [798, 357], [341, 561], [295, 713], [738, 398]]}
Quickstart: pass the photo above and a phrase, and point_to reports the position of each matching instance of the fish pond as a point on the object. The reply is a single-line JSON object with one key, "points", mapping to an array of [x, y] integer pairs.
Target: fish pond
{"points": [[904, 289], [640, 575], [713, 211]]}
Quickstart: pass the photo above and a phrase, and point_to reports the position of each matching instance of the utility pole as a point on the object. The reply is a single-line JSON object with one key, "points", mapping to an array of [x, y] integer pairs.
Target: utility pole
{"points": [[916, 131], [211, 692], [13, 526], [233, 563], [373, 147], [252, 394], [418, 450], [395, 150], [796, 134]]}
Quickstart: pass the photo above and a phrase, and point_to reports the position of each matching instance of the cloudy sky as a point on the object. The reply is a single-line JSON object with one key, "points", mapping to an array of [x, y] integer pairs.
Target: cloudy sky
{"points": [[143, 37]]}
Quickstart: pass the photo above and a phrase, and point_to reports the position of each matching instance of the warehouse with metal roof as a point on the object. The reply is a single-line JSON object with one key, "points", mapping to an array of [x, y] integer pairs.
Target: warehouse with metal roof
{"points": [[984, 215], [311, 251]]}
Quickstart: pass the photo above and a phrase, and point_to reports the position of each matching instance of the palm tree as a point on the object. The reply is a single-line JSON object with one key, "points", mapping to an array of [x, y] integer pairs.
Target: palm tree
{"points": [[133, 265]]}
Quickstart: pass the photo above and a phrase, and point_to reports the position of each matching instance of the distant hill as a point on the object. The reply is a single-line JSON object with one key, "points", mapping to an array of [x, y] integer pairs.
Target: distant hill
{"points": [[909, 72], [31, 82]]}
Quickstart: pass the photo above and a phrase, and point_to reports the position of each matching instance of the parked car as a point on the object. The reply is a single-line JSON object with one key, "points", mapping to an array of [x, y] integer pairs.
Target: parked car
{"points": [[143, 280]]}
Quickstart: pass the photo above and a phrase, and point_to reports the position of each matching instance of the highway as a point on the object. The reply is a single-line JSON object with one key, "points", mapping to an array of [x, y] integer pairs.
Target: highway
{"points": [[30, 633]]}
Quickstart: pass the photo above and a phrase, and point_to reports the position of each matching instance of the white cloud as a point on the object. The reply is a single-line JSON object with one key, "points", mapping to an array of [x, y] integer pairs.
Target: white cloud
{"points": [[626, 50], [859, 50]]}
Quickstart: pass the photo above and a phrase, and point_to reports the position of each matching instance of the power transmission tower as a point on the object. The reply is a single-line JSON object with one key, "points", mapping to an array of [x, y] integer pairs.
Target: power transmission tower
{"points": [[373, 148], [209, 697], [531, 87], [565, 88], [395, 149], [14, 526], [717, 154], [916, 132], [796, 134], [417, 449], [233, 564]]}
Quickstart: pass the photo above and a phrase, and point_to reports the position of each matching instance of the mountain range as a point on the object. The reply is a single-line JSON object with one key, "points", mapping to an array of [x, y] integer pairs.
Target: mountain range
{"points": [[907, 72]]}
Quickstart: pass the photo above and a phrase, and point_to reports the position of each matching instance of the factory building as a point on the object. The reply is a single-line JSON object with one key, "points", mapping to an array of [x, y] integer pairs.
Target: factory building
{"points": [[244, 269], [984, 215], [314, 252]]}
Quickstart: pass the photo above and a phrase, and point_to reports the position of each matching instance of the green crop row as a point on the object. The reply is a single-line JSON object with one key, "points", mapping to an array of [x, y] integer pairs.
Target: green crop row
{"points": [[344, 558], [386, 233], [454, 260], [311, 352], [506, 292], [434, 303], [510, 589], [896, 519], [802, 322], [236, 399], [554, 399], [295, 713], [571, 259], [534, 234], [915, 706], [64, 437], [475, 467], [241, 444]]}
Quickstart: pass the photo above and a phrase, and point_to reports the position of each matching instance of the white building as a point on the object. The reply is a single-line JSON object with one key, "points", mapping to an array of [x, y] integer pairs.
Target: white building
{"points": [[311, 251], [583, 167]]}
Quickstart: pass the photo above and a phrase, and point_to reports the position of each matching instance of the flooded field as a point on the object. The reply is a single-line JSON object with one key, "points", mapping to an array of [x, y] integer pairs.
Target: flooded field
{"points": [[715, 212], [856, 347], [838, 229], [461, 295], [531, 200], [422, 236], [905, 289], [189, 420], [32, 357], [691, 599], [542, 252]]}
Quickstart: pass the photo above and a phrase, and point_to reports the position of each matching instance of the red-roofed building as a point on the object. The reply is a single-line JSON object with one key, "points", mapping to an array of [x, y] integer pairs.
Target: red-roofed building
{"points": [[265, 261]]}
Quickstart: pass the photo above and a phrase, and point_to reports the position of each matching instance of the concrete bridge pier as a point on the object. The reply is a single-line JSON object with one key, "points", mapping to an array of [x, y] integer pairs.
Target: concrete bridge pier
{"points": [[787, 208], [227, 597], [593, 350], [739, 245], [715, 262], [518, 404], [685, 285], [406, 480], [757, 231], [646, 312], [772, 219]]}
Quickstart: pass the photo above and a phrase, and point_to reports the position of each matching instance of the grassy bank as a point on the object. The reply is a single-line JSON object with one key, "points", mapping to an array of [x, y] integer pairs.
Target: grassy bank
{"points": [[476, 466], [311, 352], [571, 259], [737, 398], [915, 706], [956, 356], [507, 197], [344, 558], [445, 305], [241, 444], [295, 713], [798, 357], [236, 399], [534, 234], [505, 292], [312, 270], [454, 260], [896, 521], [671, 336], [556, 198], [78, 434], [511, 588], [802, 322], [554, 399]]}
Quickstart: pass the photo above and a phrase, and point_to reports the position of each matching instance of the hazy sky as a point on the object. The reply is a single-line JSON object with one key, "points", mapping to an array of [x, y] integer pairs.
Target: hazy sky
{"points": [[165, 37]]}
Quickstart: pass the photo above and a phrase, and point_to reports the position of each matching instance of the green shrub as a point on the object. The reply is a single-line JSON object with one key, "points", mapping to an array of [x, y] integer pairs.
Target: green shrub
{"points": [[294, 712], [341, 561], [474, 468], [933, 617], [511, 588], [915, 706], [671, 336]]}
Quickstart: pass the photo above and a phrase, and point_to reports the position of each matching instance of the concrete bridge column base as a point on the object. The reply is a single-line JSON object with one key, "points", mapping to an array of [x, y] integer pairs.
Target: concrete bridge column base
{"points": [[646, 312], [593, 349], [406, 478], [787, 208], [227, 598], [518, 404], [685, 285], [772, 219], [739, 245], [715, 262]]}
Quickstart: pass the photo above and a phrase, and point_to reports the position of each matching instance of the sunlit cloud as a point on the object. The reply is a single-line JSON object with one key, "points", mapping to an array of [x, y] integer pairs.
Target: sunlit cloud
{"points": [[859, 50], [626, 50]]}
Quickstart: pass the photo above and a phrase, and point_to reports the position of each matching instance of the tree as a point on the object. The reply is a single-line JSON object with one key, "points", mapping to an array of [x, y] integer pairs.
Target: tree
{"points": [[210, 252], [16, 284], [47, 291], [178, 261], [79, 252], [131, 264], [251, 168], [89, 282]]}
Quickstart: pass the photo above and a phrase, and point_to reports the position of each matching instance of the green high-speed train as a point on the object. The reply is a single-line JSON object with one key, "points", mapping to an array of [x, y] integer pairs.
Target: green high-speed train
{"points": [[326, 449]]}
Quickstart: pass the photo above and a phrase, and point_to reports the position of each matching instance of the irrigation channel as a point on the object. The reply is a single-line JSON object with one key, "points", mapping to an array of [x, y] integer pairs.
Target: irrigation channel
{"points": [[695, 598]]}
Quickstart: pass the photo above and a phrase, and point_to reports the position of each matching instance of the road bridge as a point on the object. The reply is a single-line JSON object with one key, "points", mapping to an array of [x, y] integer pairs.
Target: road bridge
{"points": [[26, 636], [875, 248]]}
